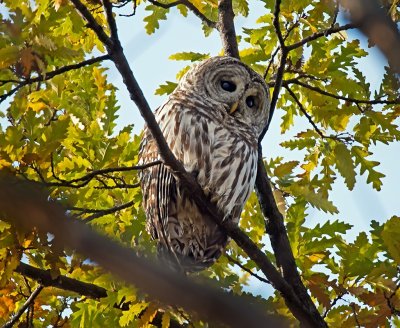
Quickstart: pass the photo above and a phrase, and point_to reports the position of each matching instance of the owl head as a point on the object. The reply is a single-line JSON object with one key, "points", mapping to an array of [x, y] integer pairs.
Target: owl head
{"points": [[238, 90]]}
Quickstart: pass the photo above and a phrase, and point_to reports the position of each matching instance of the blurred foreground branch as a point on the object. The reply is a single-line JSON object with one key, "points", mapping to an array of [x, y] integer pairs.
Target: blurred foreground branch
{"points": [[376, 24], [24, 205]]}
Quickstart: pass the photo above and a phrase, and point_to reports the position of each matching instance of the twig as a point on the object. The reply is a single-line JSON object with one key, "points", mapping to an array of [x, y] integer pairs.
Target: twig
{"points": [[349, 99], [303, 110], [281, 68], [333, 303], [23, 308], [240, 265], [190, 6], [320, 34], [49, 75], [114, 209], [271, 61]]}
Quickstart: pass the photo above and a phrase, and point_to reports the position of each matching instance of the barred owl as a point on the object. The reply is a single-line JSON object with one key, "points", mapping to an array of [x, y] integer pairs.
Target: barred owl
{"points": [[211, 123]]}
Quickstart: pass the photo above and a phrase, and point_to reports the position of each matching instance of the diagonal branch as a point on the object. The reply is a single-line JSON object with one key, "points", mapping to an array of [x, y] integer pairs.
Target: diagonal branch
{"points": [[23, 308], [189, 182], [50, 75], [303, 110]]}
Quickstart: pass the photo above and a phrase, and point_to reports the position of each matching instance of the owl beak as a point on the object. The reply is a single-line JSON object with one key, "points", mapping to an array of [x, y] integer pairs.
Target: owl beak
{"points": [[234, 107]]}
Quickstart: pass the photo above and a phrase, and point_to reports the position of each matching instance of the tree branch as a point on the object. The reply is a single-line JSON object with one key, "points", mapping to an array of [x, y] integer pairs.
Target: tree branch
{"points": [[226, 28], [375, 23], [240, 265], [280, 242], [303, 110], [23, 308], [114, 209], [281, 68], [190, 6], [320, 34], [44, 278], [18, 197], [188, 182], [50, 75]]}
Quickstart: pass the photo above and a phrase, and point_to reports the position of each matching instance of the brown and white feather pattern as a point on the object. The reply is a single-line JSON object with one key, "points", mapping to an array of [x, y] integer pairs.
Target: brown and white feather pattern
{"points": [[220, 152]]}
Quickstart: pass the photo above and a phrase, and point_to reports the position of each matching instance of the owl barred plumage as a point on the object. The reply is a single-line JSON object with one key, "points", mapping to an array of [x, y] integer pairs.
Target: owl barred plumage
{"points": [[211, 122]]}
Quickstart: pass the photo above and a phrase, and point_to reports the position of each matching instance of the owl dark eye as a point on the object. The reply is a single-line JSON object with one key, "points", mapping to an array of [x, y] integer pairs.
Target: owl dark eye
{"points": [[250, 101], [228, 86]]}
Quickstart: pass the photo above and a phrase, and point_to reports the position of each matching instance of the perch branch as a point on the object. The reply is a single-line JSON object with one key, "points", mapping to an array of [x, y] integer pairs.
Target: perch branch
{"points": [[190, 183]]}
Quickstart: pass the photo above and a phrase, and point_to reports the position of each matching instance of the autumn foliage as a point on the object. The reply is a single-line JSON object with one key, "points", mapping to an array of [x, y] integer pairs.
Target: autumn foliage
{"points": [[58, 127]]}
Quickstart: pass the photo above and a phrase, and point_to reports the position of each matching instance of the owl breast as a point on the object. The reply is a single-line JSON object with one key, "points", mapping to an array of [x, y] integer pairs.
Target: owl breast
{"points": [[217, 151]]}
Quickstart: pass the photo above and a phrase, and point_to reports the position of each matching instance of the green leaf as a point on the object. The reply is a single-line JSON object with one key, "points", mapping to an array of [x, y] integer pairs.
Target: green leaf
{"points": [[391, 237], [192, 56], [285, 168], [345, 165], [152, 20], [167, 88], [366, 165]]}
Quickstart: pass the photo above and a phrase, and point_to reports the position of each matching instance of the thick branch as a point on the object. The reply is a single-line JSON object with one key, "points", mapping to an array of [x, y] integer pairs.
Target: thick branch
{"points": [[50, 75], [280, 242], [375, 23], [190, 6], [23, 308], [17, 198], [44, 277], [226, 28]]}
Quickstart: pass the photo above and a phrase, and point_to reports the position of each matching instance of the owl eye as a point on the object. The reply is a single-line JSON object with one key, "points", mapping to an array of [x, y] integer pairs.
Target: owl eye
{"points": [[228, 86], [250, 101]]}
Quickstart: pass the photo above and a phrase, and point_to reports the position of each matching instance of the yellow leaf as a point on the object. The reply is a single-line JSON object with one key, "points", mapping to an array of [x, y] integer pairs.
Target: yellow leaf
{"points": [[391, 237], [165, 320], [8, 56], [37, 106], [148, 315], [280, 201]]}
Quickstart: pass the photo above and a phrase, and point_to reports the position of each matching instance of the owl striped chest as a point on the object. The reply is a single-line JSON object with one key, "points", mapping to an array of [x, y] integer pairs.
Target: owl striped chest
{"points": [[213, 148]]}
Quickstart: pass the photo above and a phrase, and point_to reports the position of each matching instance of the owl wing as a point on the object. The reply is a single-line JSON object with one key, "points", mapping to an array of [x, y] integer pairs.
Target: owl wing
{"points": [[158, 187]]}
